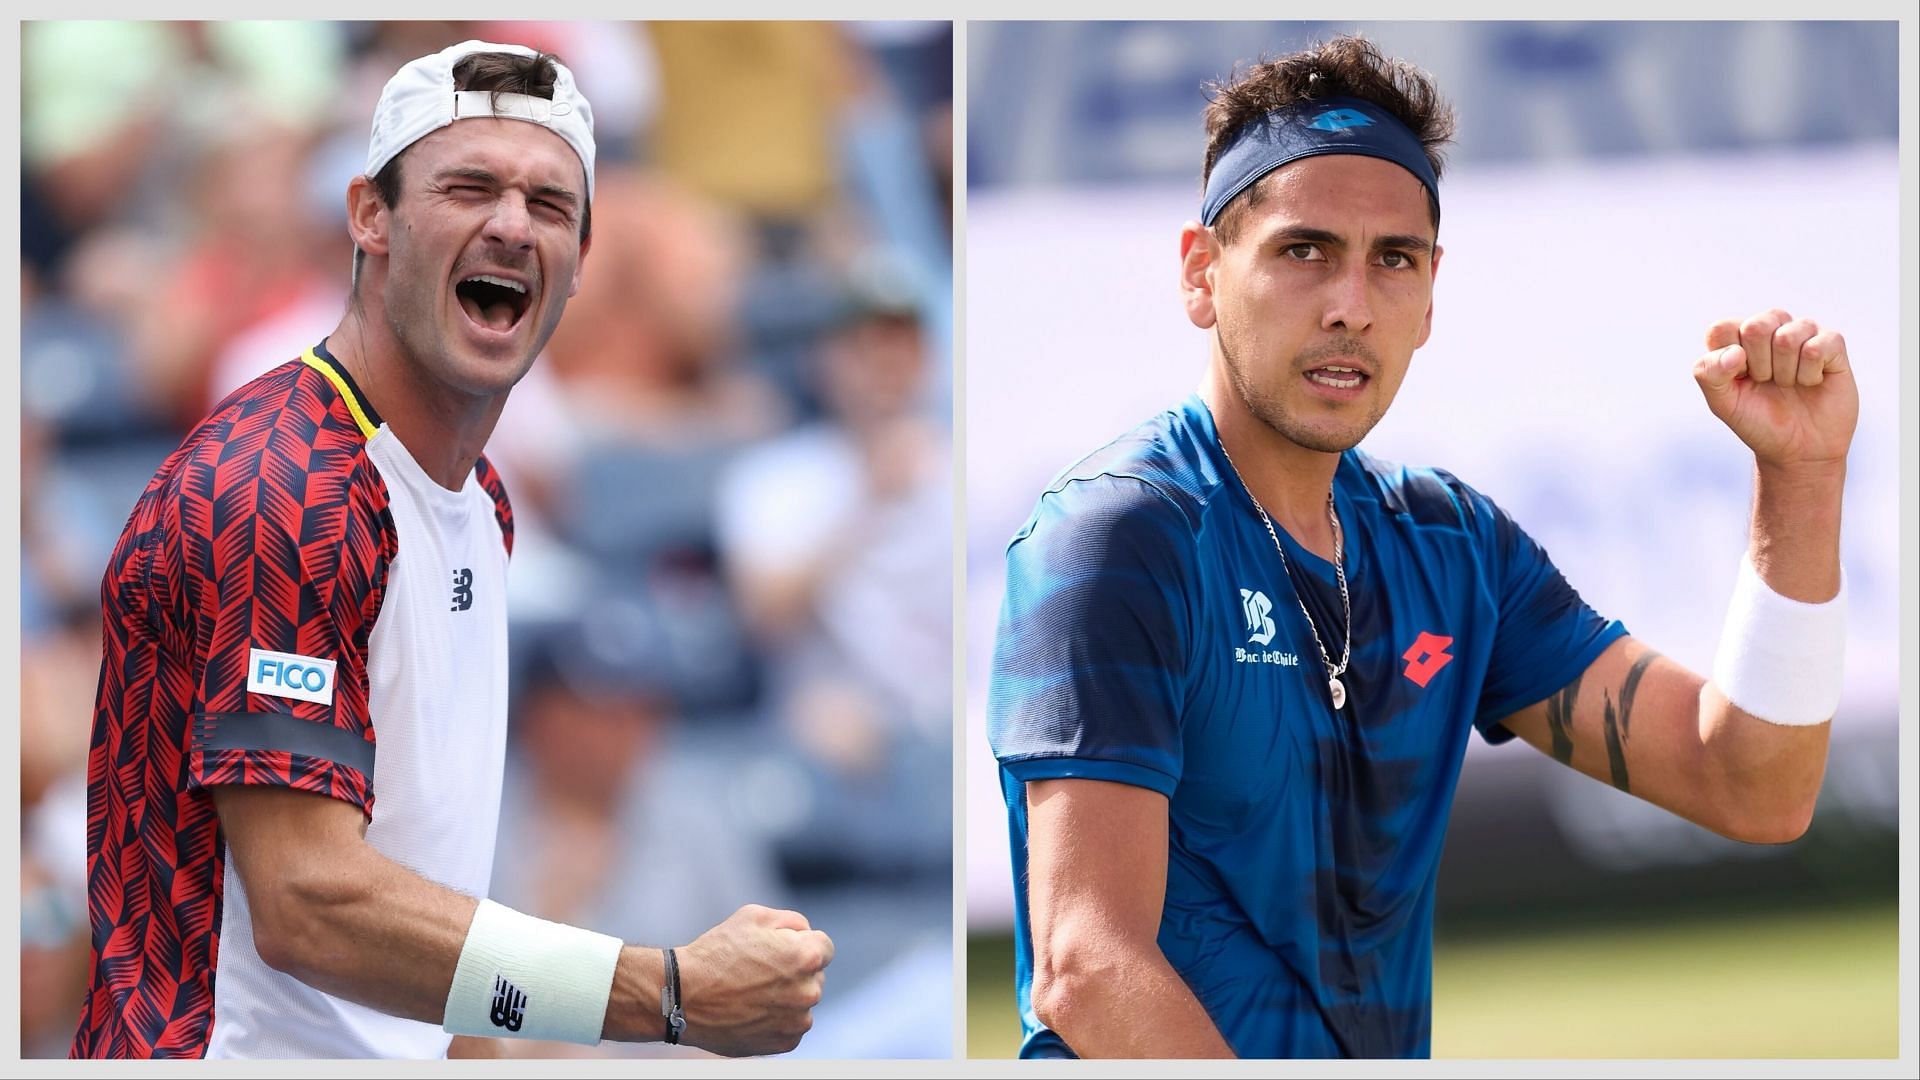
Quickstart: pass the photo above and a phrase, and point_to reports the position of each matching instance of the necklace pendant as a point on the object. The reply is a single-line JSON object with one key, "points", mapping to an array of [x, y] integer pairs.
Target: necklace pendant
{"points": [[1339, 693]]}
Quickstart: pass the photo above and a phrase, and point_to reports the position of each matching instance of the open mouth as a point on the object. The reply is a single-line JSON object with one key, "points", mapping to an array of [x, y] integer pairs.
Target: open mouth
{"points": [[496, 303], [1335, 377]]}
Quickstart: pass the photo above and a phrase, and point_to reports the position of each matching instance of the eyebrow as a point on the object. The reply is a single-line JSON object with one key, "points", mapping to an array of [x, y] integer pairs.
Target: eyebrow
{"points": [[1307, 234], [548, 191], [482, 176]]}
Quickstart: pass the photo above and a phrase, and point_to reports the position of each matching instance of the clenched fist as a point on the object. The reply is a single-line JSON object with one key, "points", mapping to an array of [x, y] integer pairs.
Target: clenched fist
{"points": [[1784, 386], [749, 985]]}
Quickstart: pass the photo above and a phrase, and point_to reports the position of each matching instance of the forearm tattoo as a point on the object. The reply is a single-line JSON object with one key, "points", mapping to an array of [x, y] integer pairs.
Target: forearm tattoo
{"points": [[1617, 722]]}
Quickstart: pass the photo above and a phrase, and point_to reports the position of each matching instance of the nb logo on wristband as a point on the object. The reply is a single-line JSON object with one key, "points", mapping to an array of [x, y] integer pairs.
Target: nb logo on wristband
{"points": [[509, 1005]]}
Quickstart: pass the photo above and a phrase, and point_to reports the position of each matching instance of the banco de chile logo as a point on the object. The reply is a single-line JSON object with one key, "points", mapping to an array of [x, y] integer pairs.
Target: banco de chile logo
{"points": [[462, 589], [1259, 612]]}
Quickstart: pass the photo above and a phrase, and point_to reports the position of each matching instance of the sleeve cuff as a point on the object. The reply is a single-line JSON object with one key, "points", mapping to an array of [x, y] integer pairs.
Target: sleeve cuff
{"points": [[1028, 770], [1491, 715]]}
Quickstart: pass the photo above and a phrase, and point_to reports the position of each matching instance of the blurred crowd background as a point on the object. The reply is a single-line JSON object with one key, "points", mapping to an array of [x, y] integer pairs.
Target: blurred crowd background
{"points": [[1615, 188], [731, 470]]}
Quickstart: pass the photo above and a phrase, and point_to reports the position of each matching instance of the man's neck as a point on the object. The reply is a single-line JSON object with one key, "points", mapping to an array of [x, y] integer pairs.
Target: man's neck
{"points": [[443, 430], [1290, 481]]}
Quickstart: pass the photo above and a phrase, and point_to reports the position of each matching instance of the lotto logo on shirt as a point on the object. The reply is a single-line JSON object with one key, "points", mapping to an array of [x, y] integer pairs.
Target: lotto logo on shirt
{"points": [[1426, 656], [290, 675]]}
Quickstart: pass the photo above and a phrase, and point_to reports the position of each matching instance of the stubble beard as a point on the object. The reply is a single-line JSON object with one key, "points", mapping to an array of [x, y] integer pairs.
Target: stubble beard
{"points": [[1269, 408], [436, 361]]}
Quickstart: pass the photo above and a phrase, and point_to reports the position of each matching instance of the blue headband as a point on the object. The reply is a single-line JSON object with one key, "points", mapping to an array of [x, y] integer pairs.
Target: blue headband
{"points": [[1335, 125]]}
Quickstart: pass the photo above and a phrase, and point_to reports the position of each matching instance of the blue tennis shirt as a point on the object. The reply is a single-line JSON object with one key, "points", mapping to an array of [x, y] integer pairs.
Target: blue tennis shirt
{"points": [[1151, 636]]}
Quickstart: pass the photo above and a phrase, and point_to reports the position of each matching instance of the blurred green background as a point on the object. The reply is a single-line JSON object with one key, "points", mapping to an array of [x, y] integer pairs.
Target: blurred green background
{"points": [[1749, 983]]}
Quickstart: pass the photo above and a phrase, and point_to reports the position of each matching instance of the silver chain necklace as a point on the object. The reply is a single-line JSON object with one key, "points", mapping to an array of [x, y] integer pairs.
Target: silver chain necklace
{"points": [[1334, 685]]}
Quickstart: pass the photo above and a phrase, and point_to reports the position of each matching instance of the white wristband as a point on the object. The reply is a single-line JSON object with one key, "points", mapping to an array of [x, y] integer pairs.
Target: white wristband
{"points": [[525, 978], [1781, 660]]}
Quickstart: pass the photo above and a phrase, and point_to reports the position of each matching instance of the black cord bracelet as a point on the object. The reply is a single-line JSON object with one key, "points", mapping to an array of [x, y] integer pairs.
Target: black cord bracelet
{"points": [[670, 1001]]}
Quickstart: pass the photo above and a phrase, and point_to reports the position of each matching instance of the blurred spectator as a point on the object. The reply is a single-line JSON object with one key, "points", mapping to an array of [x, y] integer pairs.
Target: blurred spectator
{"points": [[748, 112], [254, 252], [649, 347], [57, 672], [917, 57], [837, 536], [610, 818], [51, 579], [53, 960], [650, 397], [58, 666], [184, 222], [90, 118], [597, 797]]}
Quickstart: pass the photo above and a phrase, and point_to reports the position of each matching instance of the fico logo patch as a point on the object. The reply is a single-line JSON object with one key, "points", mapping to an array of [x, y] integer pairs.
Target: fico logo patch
{"points": [[289, 675]]}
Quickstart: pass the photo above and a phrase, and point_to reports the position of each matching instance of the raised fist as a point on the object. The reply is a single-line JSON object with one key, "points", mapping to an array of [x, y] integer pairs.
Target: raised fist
{"points": [[749, 985], [1783, 385]]}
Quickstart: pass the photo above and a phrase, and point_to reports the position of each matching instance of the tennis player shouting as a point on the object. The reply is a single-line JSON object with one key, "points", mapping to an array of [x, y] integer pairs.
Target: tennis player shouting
{"points": [[295, 774]]}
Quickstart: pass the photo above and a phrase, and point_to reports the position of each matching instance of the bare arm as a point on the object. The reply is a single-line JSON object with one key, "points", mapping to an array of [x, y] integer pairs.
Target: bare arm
{"points": [[1096, 880], [339, 916], [469, 1046], [1648, 725]]}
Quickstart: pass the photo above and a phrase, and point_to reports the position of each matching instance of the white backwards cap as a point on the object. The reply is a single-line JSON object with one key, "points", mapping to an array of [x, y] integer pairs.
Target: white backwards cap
{"points": [[420, 99]]}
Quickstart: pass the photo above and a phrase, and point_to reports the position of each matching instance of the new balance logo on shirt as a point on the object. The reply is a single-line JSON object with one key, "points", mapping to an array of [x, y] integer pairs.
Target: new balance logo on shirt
{"points": [[462, 589], [509, 1005]]}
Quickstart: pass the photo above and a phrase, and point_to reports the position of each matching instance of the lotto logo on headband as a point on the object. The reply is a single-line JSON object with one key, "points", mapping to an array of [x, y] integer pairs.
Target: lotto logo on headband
{"points": [[1337, 125], [290, 675], [1340, 120]]}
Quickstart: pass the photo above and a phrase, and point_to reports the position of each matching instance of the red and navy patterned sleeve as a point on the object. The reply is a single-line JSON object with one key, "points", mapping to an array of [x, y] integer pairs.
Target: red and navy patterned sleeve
{"points": [[286, 539], [489, 478]]}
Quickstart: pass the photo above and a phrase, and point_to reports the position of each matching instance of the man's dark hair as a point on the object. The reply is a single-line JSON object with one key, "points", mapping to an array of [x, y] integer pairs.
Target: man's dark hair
{"points": [[1346, 66], [500, 73]]}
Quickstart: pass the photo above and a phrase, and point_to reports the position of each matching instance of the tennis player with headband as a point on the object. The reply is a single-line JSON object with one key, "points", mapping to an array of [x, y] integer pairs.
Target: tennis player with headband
{"points": [[1239, 659]]}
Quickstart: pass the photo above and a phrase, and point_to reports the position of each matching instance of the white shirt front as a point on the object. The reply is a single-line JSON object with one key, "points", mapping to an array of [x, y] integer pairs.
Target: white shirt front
{"points": [[437, 673]]}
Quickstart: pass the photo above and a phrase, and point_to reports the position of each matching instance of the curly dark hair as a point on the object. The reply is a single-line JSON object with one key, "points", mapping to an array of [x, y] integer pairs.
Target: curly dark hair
{"points": [[1345, 66]]}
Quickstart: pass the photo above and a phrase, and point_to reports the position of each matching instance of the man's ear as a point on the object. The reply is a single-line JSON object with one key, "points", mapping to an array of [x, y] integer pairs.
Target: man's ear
{"points": [[1199, 255], [368, 216]]}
